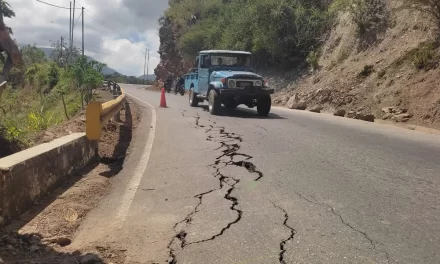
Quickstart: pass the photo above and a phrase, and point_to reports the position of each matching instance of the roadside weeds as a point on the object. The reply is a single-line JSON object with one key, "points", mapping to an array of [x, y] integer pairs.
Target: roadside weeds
{"points": [[44, 233]]}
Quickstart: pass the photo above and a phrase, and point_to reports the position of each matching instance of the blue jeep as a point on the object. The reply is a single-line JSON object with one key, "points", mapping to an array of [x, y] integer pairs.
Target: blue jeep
{"points": [[225, 77]]}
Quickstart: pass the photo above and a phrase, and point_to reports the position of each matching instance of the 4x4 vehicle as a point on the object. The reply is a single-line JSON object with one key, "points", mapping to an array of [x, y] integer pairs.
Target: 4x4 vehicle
{"points": [[225, 77]]}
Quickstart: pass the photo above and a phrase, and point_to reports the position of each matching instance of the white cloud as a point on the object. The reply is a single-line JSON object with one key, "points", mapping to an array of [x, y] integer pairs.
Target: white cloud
{"points": [[108, 27]]}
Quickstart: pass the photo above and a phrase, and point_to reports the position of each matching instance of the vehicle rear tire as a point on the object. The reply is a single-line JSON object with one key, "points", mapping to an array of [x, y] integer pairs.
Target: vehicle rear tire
{"points": [[182, 91], [193, 100], [264, 104], [214, 102]]}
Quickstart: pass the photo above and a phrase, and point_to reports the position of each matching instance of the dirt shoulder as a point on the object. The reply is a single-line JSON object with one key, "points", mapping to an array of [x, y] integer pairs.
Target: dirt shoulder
{"points": [[42, 234]]}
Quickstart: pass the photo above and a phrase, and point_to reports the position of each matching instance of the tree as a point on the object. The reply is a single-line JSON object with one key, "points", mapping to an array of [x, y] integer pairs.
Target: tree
{"points": [[7, 12], [279, 33], [60, 54], [32, 55], [53, 75], [86, 77], [98, 66]]}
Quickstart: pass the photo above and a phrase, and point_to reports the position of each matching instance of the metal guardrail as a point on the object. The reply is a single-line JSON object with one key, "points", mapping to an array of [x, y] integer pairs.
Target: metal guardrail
{"points": [[99, 114]]}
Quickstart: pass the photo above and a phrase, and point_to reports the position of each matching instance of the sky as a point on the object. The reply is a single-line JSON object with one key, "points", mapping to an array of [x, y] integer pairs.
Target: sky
{"points": [[116, 32]]}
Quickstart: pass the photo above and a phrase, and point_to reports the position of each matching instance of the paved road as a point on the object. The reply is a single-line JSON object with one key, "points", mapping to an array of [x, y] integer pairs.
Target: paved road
{"points": [[296, 187]]}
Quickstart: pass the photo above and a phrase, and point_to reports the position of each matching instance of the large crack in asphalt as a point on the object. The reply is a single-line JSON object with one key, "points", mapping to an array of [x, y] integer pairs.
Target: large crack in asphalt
{"points": [[292, 233], [229, 147], [371, 241]]}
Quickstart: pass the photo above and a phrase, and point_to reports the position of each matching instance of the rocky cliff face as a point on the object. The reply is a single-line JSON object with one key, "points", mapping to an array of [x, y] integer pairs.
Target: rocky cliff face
{"points": [[171, 61]]}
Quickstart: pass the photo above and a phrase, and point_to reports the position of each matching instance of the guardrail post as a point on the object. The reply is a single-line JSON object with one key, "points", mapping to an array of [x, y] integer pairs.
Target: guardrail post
{"points": [[115, 93], [93, 123], [97, 114]]}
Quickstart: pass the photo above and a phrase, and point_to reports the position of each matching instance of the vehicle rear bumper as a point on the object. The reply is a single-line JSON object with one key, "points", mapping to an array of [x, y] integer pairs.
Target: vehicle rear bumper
{"points": [[248, 91]]}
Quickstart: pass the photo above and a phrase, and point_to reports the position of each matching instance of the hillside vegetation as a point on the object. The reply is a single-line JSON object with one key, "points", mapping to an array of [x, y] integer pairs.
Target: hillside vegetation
{"points": [[43, 94], [279, 33], [365, 57]]}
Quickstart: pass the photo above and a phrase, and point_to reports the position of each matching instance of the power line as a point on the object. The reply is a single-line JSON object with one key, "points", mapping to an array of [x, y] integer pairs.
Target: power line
{"points": [[55, 5], [77, 20], [111, 28], [112, 51], [114, 30]]}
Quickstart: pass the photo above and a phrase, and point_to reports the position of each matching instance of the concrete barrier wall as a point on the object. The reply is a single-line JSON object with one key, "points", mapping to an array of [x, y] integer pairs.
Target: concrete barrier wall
{"points": [[32, 173]]}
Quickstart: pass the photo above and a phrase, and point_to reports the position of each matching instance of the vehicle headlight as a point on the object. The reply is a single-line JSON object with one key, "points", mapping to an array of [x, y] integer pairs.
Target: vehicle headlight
{"points": [[258, 83], [231, 84]]}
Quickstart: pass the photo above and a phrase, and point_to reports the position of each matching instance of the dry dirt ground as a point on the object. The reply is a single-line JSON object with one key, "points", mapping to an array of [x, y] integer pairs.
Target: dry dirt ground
{"points": [[392, 80], [43, 234]]}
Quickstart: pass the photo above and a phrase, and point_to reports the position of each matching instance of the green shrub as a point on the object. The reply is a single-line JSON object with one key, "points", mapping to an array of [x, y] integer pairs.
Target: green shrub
{"points": [[41, 120], [424, 57], [368, 15], [312, 60], [53, 75], [12, 132], [343, 54], [366, 71]]}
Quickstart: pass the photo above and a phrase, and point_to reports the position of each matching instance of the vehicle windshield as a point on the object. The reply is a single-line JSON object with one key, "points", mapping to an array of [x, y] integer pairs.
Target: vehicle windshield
{"points": [[231, 60]]}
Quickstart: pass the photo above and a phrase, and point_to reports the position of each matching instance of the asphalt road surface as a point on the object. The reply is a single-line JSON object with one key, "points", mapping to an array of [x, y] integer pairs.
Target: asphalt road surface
{"points": [[295, 187]]}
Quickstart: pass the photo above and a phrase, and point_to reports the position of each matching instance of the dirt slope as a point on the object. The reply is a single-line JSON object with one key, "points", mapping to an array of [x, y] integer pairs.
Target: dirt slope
{"points": [[374, 77]]}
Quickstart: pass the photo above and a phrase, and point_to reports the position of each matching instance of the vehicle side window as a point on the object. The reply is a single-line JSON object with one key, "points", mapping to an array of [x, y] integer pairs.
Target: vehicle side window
{"points": [[204, 61]]}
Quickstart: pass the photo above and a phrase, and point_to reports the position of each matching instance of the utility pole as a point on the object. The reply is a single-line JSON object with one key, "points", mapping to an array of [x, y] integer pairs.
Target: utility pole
{"points": [[148, 62], [70, 35], [61, 51], [145, 62], [73, 26], [82, 16]]}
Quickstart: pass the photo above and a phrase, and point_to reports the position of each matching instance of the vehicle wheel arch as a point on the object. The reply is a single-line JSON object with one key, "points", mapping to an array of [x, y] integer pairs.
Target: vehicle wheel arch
{"points": [[211, 87]]}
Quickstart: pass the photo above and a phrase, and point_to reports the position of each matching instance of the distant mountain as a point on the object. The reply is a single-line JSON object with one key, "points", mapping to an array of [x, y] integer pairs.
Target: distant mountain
{"points": [[48, 52], [151, 77]]}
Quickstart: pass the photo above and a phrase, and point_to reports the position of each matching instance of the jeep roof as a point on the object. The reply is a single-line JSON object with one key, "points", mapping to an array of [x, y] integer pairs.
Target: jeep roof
{"points": [[225, 51]]}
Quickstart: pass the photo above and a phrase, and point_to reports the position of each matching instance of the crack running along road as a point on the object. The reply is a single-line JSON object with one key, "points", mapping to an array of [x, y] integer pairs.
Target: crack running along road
{"points": [[229, 146]]}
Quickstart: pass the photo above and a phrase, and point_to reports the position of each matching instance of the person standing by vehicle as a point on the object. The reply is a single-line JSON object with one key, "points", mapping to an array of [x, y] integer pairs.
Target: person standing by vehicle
{"points": [[179, 83], [169, 83]]}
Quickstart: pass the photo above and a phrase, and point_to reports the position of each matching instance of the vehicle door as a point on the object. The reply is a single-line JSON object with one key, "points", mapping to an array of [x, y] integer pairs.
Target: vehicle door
{"points": [[204, 65]]}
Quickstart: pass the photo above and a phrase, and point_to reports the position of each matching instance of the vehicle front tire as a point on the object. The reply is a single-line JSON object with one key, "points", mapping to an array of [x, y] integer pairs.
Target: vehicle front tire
{"points": [[193, 100], [264, 104], [214, 102], [230, 104]]}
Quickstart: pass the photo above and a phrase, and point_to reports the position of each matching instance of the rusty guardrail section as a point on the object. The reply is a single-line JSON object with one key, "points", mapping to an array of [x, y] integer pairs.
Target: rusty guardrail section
{"points": [[99, 114]]}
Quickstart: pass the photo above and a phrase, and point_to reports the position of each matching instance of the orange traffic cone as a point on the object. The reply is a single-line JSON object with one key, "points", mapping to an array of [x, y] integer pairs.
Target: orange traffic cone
{"points": [[163, 101]]}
